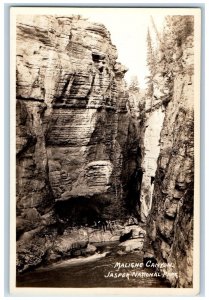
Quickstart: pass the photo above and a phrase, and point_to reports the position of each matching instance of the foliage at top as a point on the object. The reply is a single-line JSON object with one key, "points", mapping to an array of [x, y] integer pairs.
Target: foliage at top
{"points": [[166, 58], [134, 84]]}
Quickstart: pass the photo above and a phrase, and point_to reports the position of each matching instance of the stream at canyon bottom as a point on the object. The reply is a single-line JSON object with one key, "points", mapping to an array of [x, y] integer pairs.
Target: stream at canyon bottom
{"points": [[92, 272]]}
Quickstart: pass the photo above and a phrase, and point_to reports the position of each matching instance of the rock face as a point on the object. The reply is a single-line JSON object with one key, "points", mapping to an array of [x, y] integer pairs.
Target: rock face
{"points": [[131, 245], [88, 152], [72, 128], [136, 108], [151, 146], [162, 87], [170, 221], [132, 239]]}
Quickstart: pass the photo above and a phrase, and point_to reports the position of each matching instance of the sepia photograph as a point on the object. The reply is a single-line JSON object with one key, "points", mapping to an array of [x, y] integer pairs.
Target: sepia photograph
{"points": [[105, 150]]}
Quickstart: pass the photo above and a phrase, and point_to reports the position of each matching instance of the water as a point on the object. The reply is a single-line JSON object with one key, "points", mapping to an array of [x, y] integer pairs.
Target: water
{"points": [[91, 272]]}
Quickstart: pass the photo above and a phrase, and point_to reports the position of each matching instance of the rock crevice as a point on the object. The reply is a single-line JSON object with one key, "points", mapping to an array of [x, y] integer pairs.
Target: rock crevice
{"points": [[170, 220], [91, 152]]}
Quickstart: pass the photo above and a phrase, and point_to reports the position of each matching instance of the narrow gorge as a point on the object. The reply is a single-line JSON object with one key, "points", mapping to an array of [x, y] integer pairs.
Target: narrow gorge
{"points": [[98, 161]]}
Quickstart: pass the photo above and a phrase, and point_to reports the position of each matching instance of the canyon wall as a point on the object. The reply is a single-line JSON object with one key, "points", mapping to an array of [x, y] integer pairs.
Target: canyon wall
{"points": [[74, 132], [151, 149], [170, 220], [89, 149]]}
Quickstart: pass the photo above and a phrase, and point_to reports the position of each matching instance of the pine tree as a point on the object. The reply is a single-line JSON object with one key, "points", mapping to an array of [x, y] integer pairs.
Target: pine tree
{"points": [[177, 29], [155, 29], [134, 84], [150, 53], [150, 63]]}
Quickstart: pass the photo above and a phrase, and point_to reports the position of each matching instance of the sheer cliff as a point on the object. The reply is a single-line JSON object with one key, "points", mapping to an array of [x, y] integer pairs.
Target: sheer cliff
{"points": [[90, 151], [170, 219], [73, 130]]}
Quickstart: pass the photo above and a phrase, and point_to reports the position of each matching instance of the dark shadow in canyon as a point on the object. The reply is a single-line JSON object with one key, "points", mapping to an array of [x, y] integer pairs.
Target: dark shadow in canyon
{"points": [[80, 211]]}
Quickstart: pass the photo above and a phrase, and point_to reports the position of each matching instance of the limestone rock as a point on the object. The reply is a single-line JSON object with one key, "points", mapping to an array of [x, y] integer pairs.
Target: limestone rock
{"points": [[131, 245], [72, 125], [173, 196], [98, 236], [30, 253], [90, 250], [67, 243], [81, 86], [151, 145], [136, 231]]}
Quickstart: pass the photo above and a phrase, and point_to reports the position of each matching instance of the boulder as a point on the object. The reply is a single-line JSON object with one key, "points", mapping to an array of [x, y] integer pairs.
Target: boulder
{"points": [[65, 244], [98, 236], [90, 250], [133, 231], [25, 253], [132, 245]]}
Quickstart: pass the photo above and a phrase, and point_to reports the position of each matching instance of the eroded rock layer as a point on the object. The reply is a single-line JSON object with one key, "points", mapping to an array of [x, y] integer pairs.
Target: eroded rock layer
{"points": [[72, 130], [170, 221], [89, 152]]}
